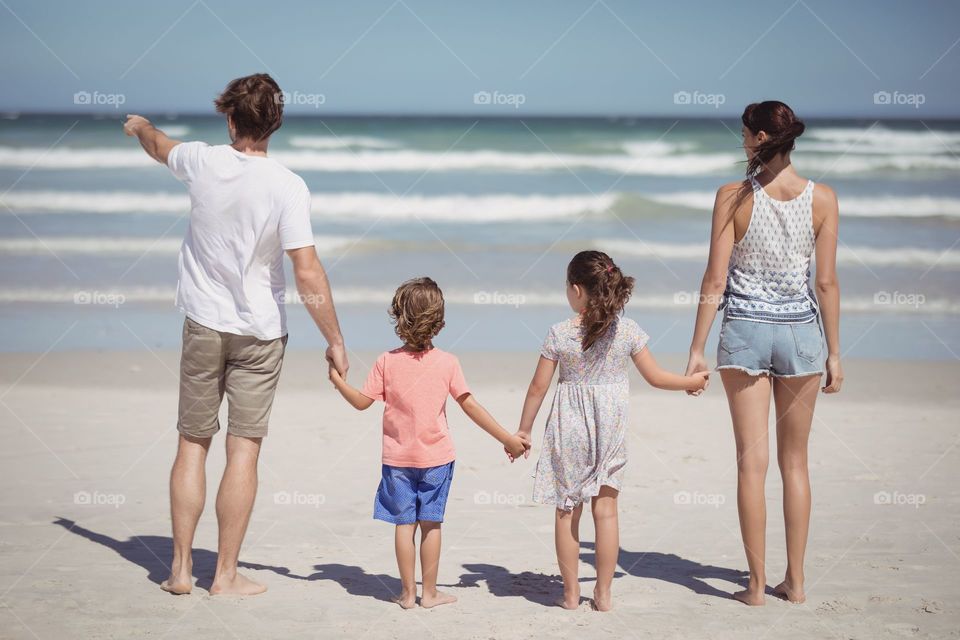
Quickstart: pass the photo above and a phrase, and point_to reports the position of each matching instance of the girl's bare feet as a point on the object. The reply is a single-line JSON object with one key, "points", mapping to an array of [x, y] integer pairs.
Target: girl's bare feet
{"points": [[602, 601], [751, 596], [406, 599], [785, 591], [430, 600], [570, 599], [239, 585]]}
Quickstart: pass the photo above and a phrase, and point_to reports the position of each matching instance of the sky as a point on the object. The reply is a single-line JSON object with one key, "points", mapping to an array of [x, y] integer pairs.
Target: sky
{"points": [[861, 58]]}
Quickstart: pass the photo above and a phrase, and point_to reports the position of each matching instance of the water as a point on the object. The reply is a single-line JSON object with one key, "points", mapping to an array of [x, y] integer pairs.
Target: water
{"points": [[492, 209]]}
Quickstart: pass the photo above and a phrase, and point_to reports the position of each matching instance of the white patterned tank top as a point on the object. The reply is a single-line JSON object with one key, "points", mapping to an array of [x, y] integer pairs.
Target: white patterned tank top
{"points": [[768, 279]]}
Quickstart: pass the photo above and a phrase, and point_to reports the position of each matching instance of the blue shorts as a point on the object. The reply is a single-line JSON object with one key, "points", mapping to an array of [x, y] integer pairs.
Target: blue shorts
{"points": [[766, 348], [408, 494]]}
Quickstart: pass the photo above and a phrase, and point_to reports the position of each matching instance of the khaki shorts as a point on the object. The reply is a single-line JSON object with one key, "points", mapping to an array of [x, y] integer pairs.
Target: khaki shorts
{"points": [[244, 367]]}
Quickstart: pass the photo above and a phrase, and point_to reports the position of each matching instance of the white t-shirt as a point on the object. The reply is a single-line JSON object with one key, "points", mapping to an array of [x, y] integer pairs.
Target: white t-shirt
{"points": [[245, 211]]}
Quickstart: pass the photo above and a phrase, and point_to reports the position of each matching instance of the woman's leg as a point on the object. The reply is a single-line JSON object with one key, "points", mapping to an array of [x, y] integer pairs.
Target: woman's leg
{"points": [[794, 399], [749, 400], [605, 521], [429, 564], [567, 539], [406, 548]]}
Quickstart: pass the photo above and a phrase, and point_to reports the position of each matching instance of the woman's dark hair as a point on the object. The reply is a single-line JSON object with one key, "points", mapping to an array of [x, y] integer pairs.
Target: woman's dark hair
{"points": [[417, 312], [780, 124], [607, 292], [254, 103]]}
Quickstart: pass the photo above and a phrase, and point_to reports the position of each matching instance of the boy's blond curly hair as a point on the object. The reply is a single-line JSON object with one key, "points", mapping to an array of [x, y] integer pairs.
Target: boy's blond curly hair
{"points": [[417, 312]]}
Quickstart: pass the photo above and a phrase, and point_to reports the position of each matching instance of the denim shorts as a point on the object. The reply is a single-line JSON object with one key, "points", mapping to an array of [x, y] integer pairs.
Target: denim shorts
{"points": [[410, 494], [775, 349]]}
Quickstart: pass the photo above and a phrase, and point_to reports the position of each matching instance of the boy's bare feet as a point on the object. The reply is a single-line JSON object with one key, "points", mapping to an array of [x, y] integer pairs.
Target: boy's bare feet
{"points": [[239, 585], [751, 596], [570, 599], [602, 601], [430, 600], [406, 600], [785, 591]]}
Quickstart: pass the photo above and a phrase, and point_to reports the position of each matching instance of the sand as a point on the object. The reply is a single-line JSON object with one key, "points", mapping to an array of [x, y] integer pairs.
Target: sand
{"points": [[89, 437]]}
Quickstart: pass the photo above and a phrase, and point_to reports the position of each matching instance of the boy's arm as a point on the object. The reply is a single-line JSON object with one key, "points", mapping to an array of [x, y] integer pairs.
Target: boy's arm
{"points": [[662, 379], [475, 411], [155, 142], [349, 393]]}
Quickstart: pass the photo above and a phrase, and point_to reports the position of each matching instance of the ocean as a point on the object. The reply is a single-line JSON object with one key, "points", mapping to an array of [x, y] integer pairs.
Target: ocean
{"points": [[491, 208]]}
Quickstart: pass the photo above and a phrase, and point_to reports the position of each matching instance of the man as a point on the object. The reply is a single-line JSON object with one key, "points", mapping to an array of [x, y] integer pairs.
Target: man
{"points": [[246, 211]]}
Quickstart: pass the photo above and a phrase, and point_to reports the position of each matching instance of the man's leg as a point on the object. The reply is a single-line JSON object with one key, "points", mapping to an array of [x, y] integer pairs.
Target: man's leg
{"points": [[238, 489], [188, 492]]}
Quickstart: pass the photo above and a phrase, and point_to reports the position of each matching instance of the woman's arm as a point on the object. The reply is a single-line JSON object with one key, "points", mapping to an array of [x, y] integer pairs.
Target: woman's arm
{"points": [[715, 276], [515, 445], [349, 393], [827, 211], [663, 379]]}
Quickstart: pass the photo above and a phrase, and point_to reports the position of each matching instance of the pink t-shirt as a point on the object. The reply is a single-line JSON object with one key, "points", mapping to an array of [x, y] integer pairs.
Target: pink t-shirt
{"points": [[414, 388]]}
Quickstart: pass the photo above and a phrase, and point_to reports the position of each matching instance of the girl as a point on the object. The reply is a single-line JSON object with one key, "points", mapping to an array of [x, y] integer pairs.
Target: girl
{"points": [[418, 456], [765, 230], [584, 447]]}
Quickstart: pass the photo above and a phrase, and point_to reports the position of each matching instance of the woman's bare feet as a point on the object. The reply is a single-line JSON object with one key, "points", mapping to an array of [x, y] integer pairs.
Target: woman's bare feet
{"points": [[570, 599], [239, 585], [406, 599], [786, 591], [430, 600], [602, 601], [751, 596]]}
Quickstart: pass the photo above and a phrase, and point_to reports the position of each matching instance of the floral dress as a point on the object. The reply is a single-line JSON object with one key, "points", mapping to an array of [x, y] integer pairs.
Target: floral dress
{"points": [[585, 443]]}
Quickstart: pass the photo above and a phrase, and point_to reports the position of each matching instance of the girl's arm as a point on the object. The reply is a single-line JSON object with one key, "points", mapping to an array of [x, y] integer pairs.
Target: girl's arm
{"points": [[828, 288], [349, 393], [715, 276], [535, 394], [662, 379], [514, 444]]}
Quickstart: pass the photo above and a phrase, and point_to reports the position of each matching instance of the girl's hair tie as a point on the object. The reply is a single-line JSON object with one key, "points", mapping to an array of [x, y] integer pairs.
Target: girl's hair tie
{"points": [[609, 268]]}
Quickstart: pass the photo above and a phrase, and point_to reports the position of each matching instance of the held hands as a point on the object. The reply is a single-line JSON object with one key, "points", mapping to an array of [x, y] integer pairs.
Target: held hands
{"points": [[134, 123], [697, 365], [519, 445], [337, 358], [699, 382]]}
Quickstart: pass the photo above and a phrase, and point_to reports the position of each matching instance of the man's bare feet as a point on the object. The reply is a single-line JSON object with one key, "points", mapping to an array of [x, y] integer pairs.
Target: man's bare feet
{"points": [[752, 597], [570, 599], [785, 591], [602, 601], [180, 581], [406, 600], [430, 600], [239, 585]]}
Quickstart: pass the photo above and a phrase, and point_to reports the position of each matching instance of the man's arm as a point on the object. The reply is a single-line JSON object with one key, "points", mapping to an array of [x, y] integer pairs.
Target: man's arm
{"points": [[314, 290], [155, 142]]}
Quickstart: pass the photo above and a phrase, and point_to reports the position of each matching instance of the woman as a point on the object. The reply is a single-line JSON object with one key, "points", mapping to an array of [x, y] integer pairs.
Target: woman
{"points": [[765, 230]]}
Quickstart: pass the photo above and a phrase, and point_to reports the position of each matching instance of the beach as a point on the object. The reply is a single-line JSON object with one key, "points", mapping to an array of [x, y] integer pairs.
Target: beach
{"points": [[89, 438]]}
